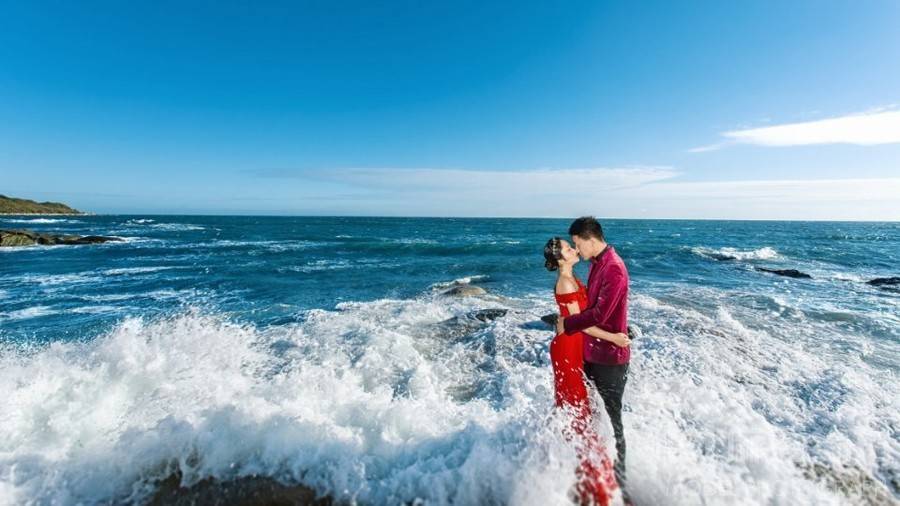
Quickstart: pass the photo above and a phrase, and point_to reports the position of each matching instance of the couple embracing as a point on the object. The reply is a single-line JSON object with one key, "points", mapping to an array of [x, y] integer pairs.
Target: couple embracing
{"points": [[591, 344]]}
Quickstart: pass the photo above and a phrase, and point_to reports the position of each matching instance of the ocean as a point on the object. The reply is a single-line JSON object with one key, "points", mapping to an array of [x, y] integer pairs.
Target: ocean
{"points": [[322, 351]]}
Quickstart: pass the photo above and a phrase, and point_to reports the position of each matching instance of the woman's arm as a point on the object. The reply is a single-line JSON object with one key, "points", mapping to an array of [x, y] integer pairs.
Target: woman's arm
{"points": [[619, 339], [612, 291]]}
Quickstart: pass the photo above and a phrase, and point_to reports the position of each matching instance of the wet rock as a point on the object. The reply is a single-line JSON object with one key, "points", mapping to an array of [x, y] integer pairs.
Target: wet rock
{"points": [[487, 315], [245, 491], [849, 480], [791, 273], [461, 326], [93, 239], [892, 283], [465, 291], [550, 319], [11, 238]]}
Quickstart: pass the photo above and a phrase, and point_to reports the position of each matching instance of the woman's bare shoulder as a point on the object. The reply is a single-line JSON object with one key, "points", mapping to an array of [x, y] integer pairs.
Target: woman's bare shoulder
{"points": [[566, 284]]}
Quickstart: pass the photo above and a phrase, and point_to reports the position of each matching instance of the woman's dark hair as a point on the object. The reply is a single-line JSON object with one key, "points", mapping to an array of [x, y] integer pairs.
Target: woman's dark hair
{"points": [[552, 253], [586, 227]]}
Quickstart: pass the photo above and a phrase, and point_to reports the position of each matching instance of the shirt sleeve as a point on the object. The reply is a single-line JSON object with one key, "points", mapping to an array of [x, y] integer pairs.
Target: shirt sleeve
{"points": [[611, 293]]}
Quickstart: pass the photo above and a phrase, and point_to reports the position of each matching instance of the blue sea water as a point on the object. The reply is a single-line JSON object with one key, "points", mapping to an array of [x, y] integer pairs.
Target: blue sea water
{"points": [[322, 351]]}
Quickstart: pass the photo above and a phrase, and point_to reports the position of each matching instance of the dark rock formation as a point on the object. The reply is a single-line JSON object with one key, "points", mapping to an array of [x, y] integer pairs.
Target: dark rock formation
{"points": [[246, 491], [791, 273], [29, 238], [550, 319], [892, 283], [487, 315]]}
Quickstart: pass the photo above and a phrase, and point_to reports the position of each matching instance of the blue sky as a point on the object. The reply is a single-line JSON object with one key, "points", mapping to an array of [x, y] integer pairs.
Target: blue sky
{"points": [[771, 110]]}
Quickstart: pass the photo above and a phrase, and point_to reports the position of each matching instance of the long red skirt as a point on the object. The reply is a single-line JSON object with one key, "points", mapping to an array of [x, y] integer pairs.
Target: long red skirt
{"points": [[596, 478]]}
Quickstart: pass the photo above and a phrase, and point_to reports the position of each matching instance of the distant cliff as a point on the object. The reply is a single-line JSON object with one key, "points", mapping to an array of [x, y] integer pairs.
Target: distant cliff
{"points": [[9, 205]]}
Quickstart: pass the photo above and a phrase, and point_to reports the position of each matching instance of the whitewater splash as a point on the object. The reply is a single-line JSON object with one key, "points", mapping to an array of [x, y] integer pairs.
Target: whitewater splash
{"points": [[40, 221], [356, 403], [765, 253], [377, 403]]}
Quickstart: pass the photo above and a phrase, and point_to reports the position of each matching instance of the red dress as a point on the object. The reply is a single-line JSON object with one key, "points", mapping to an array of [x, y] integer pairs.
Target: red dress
{"points": [[596, 479]]}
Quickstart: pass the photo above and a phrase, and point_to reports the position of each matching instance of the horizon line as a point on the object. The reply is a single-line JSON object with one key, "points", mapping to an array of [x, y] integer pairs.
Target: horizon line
{"points": [[425, 217]]}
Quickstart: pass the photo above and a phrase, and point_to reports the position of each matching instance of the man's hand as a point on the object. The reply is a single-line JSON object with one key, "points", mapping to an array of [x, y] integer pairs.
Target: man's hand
{"points": [[560, 328]]}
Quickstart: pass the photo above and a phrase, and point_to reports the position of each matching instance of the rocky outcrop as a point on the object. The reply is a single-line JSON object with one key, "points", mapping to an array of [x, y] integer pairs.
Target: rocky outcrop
{"points": [[465, 291], [892, 283], [487, 315], [9, 238], [244, 491], [790, 273]]}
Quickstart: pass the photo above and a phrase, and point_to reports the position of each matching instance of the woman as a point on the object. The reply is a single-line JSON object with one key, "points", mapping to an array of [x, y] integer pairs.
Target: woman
{"points": [[597, 482]]}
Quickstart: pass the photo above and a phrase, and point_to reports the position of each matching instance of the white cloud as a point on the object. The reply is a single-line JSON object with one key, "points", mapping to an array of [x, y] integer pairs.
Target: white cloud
{"points": [[877, 127], [824, 199]]}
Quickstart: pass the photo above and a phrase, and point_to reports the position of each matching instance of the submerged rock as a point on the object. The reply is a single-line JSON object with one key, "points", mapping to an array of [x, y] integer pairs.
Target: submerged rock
{"points": [[791, 273], [464, 291], [29, 238]]}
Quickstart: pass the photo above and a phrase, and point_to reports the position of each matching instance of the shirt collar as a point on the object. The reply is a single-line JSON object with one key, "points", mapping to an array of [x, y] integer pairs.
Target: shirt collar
{"points": [[598, 259]]}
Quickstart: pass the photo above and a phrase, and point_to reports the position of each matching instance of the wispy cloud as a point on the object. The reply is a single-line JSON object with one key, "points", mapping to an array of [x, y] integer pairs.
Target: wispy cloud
{"points": [[634, 192], [876, 199], [710, 147], [458, 192], [867, 129], [440, 179], [486, 182]]}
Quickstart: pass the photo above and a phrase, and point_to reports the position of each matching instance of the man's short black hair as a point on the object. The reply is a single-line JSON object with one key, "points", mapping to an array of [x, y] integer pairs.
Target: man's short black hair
{"points": [[586, 227]]}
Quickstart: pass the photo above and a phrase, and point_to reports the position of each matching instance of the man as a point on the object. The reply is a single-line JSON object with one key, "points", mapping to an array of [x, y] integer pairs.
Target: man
{"points": [[605, 363]]}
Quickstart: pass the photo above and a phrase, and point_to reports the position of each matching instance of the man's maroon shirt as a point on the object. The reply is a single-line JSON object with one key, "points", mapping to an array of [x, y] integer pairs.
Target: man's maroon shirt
{"points": [[607, 309]]}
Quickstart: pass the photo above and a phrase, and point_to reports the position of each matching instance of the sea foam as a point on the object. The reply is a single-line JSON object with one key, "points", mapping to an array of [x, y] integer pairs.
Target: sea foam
{"points": [[764, 253], [355, 403], [384, 402], [40, 221]]}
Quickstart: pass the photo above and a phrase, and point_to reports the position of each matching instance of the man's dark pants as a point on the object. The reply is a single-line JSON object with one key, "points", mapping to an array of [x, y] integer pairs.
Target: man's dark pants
{"points": [[610, 382]]}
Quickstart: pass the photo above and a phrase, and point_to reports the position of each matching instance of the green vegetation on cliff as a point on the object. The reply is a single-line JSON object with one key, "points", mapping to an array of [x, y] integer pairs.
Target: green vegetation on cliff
{"points": [[9, 205]]}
